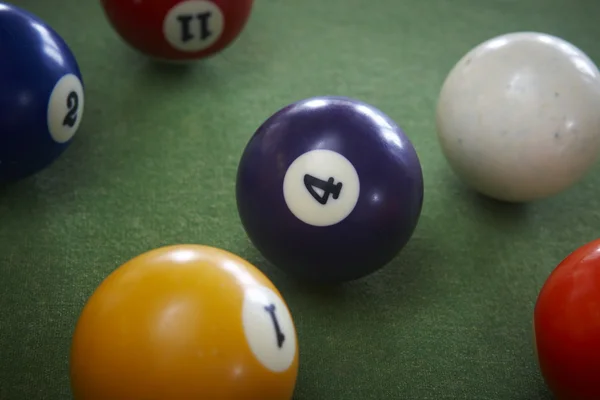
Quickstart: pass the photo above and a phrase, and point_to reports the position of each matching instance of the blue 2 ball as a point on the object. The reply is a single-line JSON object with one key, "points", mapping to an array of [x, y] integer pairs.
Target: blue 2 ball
{"points": [[42, 96]]}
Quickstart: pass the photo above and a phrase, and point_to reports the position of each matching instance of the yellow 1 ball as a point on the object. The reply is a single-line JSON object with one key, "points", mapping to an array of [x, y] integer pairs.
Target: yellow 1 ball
{"points": [[185, 322]]}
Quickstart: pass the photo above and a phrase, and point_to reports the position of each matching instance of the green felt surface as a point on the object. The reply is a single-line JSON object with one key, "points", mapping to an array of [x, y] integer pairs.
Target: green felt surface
{"points": [[154, 163]]}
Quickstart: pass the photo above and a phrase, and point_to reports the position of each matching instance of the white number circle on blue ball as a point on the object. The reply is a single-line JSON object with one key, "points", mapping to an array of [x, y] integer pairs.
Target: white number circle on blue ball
{"points": [[65, 108], [321, 187]]}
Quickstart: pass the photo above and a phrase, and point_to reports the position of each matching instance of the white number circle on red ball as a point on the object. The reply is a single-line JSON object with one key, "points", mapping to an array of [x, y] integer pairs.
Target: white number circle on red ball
{"points": [[269, 328], [65, 108], [193, 25], [321, 187]]}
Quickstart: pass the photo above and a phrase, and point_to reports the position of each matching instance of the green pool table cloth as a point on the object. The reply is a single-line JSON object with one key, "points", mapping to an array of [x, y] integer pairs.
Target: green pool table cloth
{"points": [[154, 163]]}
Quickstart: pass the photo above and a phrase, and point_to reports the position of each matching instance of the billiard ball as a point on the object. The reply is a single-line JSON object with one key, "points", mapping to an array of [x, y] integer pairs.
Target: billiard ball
{"points": [[178, 30], [517, 116], [329, 189], [185, 322], [567, 326], [42, 97]]}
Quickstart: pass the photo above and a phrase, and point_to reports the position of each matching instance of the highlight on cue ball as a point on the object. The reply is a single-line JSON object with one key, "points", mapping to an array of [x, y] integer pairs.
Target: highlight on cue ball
{"points": [[197, 321], [178, 30], [517, 116], [39, 126]]}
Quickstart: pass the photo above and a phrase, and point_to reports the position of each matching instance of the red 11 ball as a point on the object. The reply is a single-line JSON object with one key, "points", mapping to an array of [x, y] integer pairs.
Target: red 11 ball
{"points": [[178, 30], [567, 326]]}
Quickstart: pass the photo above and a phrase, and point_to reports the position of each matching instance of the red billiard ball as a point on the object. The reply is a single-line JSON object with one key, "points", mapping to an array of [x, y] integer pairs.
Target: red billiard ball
{"points": [[178, 30], [567, 326]]}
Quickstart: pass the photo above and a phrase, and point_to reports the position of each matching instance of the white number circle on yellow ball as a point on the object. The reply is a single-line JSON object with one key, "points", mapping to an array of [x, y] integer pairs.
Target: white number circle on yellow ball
{"points": [[321, 187], [269, 328], [193, 25], [65, 108]]}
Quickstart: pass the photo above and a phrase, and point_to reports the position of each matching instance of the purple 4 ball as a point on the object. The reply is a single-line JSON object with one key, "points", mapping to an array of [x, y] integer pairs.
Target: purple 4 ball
{"points": [[329, 189]]}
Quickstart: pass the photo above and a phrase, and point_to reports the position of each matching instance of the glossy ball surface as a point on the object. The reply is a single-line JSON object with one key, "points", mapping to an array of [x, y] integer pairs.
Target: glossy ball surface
{"points": [[567, 326], [329, 189], [517, 116], [185, 322], [178, 30], [42, 96]]}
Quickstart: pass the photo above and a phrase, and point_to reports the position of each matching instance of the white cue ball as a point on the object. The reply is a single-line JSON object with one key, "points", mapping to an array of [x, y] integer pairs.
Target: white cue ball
{"points": [[518, 117]]}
